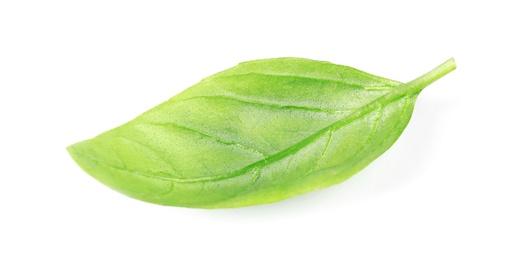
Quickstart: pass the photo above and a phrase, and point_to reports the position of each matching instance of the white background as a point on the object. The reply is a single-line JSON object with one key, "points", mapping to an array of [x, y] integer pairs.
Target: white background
{"points": [[70, 70]]}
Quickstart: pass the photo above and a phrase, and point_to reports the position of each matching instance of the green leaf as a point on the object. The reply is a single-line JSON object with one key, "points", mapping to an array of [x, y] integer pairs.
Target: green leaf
{"points": [[259, 132]]}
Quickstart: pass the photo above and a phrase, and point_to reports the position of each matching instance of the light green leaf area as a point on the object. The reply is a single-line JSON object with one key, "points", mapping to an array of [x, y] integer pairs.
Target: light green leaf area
{"points": [[259, 132]]}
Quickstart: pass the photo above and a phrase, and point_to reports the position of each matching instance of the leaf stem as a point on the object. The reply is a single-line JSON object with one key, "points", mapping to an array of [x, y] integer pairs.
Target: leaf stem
{"points": [[409, 88], [423, 81], [415, 85]]}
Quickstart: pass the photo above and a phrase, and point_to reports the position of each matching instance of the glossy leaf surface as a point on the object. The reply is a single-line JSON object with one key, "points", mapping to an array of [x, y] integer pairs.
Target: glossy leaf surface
{"points": [[259, 132]]}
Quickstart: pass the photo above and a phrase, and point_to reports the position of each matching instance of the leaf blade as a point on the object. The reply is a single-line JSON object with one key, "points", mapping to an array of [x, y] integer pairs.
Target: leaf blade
{"points": [[267, 136]]}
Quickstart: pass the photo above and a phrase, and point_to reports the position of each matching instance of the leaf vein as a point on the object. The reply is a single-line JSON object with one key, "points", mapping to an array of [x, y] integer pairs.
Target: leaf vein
{"points": [[323, 153], [254, 179], [154, 152], [217, 139], [371, 135], [338, 82], [269, 104]]}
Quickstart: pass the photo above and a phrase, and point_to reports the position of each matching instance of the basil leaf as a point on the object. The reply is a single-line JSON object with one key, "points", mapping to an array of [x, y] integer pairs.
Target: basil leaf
{"points": [[259, 132]]}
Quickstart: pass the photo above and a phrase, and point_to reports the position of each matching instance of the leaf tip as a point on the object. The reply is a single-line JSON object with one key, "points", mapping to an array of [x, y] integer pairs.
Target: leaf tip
{"points": [[71, 150], [80, 155]]}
